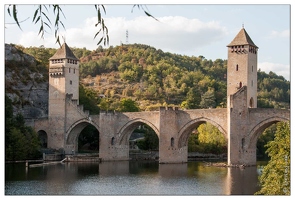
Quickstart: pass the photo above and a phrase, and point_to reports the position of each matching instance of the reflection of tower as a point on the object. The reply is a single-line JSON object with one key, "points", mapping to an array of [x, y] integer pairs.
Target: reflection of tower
{"points": [[236, 178], [126, 36]]}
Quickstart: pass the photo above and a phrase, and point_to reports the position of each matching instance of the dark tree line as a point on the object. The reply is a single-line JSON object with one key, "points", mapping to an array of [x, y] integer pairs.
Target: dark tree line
{"points": [[21, 141]]}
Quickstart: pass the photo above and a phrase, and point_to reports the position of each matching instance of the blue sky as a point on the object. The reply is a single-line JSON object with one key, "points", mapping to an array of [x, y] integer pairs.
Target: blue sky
{"points": [[187, 29]]}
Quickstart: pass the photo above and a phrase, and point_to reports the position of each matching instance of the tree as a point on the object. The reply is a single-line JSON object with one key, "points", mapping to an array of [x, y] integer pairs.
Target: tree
{"points": [[128, 105], [211, 139], [21, 142], [192, 99], [41, 16], [89, 99], [275, 177], [208, 99], [267, 135], [150, 141]]}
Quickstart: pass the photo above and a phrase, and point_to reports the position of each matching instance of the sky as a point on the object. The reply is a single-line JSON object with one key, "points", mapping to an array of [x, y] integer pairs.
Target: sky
{"points": [[186, 29]]}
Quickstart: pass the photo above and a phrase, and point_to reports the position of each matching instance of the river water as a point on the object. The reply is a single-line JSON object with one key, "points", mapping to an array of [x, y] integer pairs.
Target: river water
{"points": [[129, 178]]}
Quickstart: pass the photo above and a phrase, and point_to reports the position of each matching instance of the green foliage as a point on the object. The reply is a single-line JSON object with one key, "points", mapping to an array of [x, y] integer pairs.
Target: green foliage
{"points": [[145, 74], [21, 142], [267, 135], [208, 99], [207, 139], [128, 105], [273, 90], [192, 99], [150, 141], [89, 99], [189, 82], [275, 177], [41, 16], [41, 54]]}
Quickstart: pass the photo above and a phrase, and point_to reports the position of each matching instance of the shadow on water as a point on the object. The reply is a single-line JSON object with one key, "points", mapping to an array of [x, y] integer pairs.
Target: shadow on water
{"points": [[130, 178]]}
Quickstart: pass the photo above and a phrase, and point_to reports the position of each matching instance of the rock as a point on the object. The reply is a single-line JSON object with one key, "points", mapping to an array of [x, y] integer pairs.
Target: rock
{"points": [[27, 88]]}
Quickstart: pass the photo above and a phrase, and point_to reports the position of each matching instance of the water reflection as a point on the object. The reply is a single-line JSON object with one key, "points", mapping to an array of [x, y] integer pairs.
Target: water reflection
{"points": [[241, 181], [173, 170], [129, 178]]}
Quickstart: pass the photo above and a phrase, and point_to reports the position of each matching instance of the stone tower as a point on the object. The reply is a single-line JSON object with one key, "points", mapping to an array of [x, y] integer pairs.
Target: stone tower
{"points": [[63, 83], [63, 79], [242, 67], [241, 96]]}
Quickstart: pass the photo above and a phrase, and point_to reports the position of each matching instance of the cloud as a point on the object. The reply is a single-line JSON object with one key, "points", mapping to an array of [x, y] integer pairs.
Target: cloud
{"points": [[32, 38], [279, 69], [175, 34], [280, 34]]}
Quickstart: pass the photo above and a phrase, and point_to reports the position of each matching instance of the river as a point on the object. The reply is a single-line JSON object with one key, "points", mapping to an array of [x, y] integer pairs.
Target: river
{"points": [[129, 178]]}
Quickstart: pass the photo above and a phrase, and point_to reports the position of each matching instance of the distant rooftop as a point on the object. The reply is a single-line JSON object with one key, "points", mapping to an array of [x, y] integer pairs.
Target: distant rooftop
{"points": [[64, 52], [242, 38]]}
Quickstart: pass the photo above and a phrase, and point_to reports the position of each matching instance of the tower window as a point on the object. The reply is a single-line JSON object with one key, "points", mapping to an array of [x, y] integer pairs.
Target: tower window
{"points": [[172, 142], [240, 85], [69, 70], [252, 68], [252, 83], [74, 71], [237, 67], [71, 82]]}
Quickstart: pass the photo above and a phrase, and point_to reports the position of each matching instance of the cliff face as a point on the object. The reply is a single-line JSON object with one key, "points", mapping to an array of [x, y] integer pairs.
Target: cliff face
{"points": [[26, 84]]}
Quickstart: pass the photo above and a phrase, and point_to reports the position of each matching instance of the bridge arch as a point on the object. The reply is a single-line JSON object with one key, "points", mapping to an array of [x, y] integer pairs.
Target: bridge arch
{"points": [[43, 137], [185, 131], [126, 131], [260, 127], [75, 129]]}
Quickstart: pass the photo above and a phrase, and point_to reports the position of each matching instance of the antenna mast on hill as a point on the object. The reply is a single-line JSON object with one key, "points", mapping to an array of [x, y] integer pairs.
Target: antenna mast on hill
{"points": [[126, 36]]}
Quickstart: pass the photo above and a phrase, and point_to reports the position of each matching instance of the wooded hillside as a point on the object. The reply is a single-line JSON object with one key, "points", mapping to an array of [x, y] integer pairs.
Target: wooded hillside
{"points": [[154, 78]]}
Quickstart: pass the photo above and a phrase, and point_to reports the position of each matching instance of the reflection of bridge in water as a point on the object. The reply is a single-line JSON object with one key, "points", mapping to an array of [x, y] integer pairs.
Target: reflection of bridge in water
{"points": [[230, 181], [241, 122]]}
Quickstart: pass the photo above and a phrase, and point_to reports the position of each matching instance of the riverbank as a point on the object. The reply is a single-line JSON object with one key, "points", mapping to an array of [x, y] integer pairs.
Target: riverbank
{"points": [[133, 155]]}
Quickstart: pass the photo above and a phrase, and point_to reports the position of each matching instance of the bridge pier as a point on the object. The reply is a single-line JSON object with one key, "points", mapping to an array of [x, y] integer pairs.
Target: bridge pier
{"points": [[110, 146], [239, 150], [114, 153], [169, 151], [238, 154]]}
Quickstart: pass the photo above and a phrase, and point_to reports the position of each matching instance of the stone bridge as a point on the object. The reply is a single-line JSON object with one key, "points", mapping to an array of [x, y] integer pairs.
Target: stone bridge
{"points": [[241, 122], [241, 126]]}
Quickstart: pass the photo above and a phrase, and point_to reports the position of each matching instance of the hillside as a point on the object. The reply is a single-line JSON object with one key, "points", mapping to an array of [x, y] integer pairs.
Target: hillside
{"points": [[152, 78], [148, 76], [26, 83]]}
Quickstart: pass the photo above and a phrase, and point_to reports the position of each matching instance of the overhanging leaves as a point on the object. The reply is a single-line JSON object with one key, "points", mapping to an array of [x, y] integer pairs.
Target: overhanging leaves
{"points": [[42, 18]]}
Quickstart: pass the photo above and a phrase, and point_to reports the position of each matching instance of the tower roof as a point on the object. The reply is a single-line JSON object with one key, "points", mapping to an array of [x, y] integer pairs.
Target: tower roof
{"points": [[242, 38], [64, 52]]}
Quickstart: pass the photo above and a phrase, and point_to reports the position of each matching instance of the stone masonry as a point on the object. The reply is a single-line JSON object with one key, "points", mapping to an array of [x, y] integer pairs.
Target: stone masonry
{"points": [[241, 122]]}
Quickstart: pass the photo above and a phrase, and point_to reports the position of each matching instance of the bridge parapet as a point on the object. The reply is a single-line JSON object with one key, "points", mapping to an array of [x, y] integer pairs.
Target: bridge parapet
{"points": [[162, 108]]}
